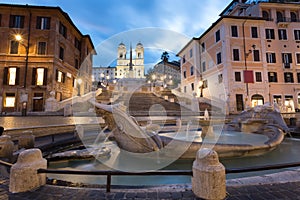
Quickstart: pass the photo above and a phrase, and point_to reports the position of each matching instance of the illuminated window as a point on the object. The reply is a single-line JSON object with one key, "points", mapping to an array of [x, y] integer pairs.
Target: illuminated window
{"points": [[12, 76], [60, 76], [10, 100], [40, 76]]}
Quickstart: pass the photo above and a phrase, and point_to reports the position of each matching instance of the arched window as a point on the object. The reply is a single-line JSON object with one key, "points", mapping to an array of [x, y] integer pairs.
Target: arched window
{"points": [[294, 17], [257, 100], [279, 16], [265, 15]]}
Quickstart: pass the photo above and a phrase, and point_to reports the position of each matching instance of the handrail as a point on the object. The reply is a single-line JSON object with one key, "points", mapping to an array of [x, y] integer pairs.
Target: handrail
{"points": [[110, 173], [261, 168]]}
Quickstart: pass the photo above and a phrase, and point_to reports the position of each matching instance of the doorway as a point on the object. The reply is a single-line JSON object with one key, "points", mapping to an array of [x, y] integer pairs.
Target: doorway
{"points": [[38, 102], [239, 102]]}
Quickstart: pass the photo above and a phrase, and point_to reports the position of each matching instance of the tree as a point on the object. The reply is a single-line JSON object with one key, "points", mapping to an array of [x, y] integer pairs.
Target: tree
{"points": [[165, 56]]}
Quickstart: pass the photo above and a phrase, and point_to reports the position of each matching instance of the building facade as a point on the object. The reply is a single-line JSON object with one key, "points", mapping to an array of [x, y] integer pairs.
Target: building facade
{"points": [[103, 75], [166, 72], [248, 57], [42, 53], [129, 66]]}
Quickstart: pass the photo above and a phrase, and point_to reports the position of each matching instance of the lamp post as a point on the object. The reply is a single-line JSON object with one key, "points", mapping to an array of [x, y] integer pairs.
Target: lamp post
{"points": [[201, 88], [79, 81], [24, 96]]}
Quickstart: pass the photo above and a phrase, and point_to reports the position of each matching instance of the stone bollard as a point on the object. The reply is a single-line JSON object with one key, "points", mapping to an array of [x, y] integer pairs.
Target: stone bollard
{"points": [[208, 181], [23, 174], [26, 140], [6, 147]]}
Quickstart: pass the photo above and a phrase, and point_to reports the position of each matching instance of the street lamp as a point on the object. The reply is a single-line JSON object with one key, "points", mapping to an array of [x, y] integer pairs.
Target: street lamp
{"points": [[201, 88], [24, 96], [79, 81]]}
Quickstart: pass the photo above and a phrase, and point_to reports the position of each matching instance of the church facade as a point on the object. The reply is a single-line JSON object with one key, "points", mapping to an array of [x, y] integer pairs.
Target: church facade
{"points": [[129, 66]]}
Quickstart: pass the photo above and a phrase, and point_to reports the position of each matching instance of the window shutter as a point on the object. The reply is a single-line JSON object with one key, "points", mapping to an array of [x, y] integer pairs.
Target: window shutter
{"points": [[290, 58], [22, 22], [48, 23], [38, 22], [33, 80], [11, 21], [56, 76], [5, 75], [18, 76], [274, 57], [45, 76]]}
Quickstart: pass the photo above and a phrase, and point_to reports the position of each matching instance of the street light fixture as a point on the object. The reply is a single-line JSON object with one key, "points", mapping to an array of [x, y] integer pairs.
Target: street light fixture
{"points": [[201, 88], [24, 97], [79, 81]]}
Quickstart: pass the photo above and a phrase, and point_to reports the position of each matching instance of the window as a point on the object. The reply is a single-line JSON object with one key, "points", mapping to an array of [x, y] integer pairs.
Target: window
{"points": [[14, 47], [297, 34], [41, 48], [272, 76], [43, 23], [0, 19], [203, 46], [220, 78], [203, 66], [183, 59], [234, 31], [287, 59], [294, 17], [192, 86], [270, 34], [256, 55], [236, 54], [254, 32], [192, 70], [76, 63], [77, 44], [271, 57], [288, 77], [237, 76], [184, 89], [298, 77], [282, 34], [258, 77], [280, 17], [10, 100], [39, 76], [60, 76], [16, 21], [11, 76], [61, 53], [191, 53], [205, 84], [63, 30], [265, 15], [217, 35], [184, 74], [298, 58], [219, 58]]}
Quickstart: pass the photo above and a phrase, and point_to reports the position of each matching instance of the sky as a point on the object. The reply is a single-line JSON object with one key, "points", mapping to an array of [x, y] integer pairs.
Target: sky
{"points": [[158, 24]]}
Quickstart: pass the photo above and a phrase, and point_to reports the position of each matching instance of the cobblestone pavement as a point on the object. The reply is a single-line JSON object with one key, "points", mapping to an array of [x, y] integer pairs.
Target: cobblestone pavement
{"points": [[256, 192]]}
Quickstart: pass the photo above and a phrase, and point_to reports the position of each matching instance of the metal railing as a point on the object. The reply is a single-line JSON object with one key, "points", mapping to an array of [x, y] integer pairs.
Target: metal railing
{"points": [[109, 173]]}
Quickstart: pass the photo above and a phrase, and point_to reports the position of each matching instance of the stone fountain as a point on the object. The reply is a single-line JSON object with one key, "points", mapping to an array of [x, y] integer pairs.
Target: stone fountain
{"points": [[263, 121]]}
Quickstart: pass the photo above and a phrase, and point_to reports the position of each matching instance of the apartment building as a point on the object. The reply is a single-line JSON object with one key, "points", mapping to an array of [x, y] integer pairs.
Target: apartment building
{"points": [[42, 53], [167, 72], [248, 57]]}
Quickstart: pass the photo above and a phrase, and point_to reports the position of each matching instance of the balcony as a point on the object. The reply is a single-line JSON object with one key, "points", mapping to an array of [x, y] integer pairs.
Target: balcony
{"points": [[287, 65]]}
